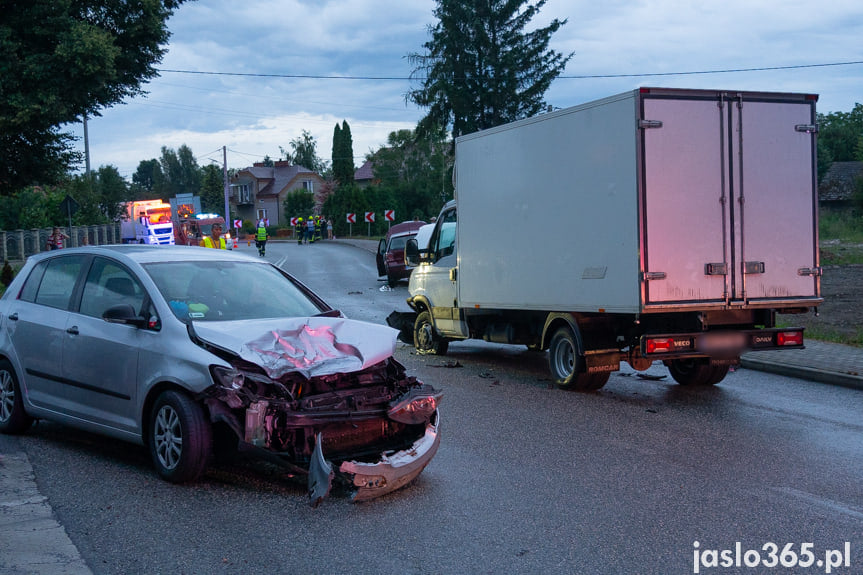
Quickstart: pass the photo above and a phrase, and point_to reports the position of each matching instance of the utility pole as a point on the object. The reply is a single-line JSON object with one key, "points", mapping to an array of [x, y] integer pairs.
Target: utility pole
{"points": [[86, 148], [228, 221]]}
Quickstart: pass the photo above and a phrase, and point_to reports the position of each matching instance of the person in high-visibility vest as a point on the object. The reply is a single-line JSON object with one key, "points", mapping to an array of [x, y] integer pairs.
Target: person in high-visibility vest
{"points": [[300, 230], [317, 228], [310, 230], [215, 239], [261, 237]]}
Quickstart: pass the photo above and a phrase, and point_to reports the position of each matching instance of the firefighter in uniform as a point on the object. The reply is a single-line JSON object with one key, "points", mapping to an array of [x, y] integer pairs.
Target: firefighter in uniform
{"points": [[261, 237], [215, 239], [299, 229], [317, 228], [310, 230]]}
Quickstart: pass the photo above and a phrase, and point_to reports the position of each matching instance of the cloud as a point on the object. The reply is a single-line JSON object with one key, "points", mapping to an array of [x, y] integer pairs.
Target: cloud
{"points": [[255, 115]]}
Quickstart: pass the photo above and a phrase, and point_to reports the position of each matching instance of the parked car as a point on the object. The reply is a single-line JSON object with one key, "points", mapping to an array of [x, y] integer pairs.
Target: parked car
{"points": [[391, 252], [171, 346]]}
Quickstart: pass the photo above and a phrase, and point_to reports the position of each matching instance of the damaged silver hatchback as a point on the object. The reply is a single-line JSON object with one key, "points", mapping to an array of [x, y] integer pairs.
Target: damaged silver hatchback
{"points": [[170, 347]]}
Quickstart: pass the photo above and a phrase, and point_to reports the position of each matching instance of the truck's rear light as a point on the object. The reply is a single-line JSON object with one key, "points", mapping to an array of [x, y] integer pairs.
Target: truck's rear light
{"points": [[789, 338], [659, 345]]}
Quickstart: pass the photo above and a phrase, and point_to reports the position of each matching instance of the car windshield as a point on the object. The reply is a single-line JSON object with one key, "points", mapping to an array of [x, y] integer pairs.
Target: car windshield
{"points": [[226, 291]]}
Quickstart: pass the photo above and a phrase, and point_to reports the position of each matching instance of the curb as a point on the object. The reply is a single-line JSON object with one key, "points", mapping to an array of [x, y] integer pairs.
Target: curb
{"points": [[801, 372]]}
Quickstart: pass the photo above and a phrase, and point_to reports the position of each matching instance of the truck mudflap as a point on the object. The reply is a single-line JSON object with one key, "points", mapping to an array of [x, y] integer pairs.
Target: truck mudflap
{"points": [[393, 471], [720, 343]]}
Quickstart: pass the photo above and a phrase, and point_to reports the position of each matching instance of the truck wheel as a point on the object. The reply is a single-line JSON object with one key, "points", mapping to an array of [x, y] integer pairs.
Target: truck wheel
{"points": [[13, 418], [565, 364], [696, 371], [426, 341], [180, 437]]}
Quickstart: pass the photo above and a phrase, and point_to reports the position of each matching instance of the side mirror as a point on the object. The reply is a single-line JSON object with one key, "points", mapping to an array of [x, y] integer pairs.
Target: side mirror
{"points": [[412, 252], [124, 313]]}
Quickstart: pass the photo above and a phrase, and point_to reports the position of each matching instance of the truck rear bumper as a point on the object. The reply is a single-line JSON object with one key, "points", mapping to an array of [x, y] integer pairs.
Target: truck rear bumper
{"points": [[719, 343]]}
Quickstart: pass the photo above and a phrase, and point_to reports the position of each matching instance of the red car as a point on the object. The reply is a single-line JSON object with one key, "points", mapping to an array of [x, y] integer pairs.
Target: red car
{"points": [[391, 251]]}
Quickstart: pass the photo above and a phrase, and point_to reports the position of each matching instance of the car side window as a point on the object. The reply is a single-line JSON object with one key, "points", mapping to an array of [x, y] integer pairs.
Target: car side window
{"points": [[109, 284], [31, 286], [445, 245], [58, 281]]}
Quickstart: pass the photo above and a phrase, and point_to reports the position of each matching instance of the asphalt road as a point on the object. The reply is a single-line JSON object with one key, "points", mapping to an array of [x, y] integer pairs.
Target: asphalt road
{"points": [[528, 479]]}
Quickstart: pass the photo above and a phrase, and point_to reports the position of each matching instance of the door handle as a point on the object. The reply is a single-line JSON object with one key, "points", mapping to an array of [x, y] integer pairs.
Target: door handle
{"points": [[14, 316], [73, 330]]}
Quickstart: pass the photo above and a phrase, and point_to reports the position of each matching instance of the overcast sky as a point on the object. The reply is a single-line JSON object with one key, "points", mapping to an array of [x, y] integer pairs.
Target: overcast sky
{"points": [[252, 116]]}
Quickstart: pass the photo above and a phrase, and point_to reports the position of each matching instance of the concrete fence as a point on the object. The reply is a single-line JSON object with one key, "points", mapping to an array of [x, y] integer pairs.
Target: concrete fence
{"points": [[18, 245]]}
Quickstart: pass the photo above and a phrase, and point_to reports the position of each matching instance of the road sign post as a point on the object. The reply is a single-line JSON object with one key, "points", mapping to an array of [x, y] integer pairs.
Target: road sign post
{"points": [[352, 218], [370, 217]]}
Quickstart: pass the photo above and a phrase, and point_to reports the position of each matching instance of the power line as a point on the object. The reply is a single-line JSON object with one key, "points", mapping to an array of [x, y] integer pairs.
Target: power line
{"points": [[577, 77]]}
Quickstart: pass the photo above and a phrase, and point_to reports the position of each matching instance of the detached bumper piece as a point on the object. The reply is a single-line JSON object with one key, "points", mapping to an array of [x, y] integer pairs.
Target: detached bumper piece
{"points": [[393, 471], [371, 480]]}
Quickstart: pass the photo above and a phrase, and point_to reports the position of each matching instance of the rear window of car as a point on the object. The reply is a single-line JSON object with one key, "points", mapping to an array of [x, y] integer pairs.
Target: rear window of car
{"points": [[398, 243], [229, 290]]}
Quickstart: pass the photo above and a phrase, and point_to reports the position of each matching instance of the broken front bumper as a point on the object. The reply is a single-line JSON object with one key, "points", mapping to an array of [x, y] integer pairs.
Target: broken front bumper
{"points": [[393, 471]]}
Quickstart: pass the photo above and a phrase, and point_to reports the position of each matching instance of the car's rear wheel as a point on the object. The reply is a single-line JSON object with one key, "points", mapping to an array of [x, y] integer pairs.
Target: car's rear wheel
{"points": [[181, 437], [426, 341], [566, 364], [13, 418], [696, 371]]}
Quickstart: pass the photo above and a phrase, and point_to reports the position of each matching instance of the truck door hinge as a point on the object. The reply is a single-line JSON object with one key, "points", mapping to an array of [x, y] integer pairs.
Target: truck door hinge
{"points": [[649, 124], [647, 276], [817, 271], [753, 267], [716, 269], [806, 128]]}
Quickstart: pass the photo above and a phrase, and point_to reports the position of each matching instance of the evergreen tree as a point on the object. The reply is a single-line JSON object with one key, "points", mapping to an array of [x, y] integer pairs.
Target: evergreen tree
{"points": [[481, 69], [212, 189], [343, 154]]}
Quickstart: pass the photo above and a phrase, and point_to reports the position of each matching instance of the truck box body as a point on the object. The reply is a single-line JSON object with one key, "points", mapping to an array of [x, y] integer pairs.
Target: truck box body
{"points": [[645, 202]]}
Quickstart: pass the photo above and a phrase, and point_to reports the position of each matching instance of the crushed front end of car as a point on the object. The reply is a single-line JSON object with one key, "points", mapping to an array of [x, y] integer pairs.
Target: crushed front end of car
{"points": [[325, 394]]}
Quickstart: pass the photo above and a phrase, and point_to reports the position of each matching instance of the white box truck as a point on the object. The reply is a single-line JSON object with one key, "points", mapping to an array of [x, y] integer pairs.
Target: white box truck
{"points": [[658, 224], [148, 222]]}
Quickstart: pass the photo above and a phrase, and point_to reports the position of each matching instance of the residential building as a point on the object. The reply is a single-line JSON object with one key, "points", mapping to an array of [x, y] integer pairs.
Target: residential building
{"points": [[259, 192]]}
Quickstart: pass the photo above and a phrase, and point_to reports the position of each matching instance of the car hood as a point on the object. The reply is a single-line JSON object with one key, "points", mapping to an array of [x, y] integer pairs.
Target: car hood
{"points": [[311, 346]]}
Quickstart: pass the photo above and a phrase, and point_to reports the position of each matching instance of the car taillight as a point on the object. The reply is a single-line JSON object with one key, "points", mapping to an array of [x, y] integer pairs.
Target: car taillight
{"points": [[659, 345], [416, 406], [789, 338]]}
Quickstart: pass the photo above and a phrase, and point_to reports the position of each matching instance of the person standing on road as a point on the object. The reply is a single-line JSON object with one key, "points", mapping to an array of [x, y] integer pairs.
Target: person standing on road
{"points": [[261, 237], [310, 230], [330, 228], [299, 229], [215, 239], [55, 240]]}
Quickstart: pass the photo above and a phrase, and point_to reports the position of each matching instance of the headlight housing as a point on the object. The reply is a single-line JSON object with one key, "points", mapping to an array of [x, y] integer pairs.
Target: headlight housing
{"points": [[416, 406]]}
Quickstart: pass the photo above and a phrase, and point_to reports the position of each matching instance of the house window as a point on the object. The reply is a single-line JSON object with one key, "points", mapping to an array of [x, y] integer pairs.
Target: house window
{"points": [[262, 214], [309, 186], [242, 192]]}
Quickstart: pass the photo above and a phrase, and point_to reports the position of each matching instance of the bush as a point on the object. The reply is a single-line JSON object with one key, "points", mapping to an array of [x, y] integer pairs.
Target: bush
{"points": [[7, 275]]}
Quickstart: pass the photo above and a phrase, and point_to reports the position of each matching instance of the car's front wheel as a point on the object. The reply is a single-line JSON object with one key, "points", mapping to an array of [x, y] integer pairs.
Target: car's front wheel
{"points": [[180, 437], [426, 341], [13, 418]]}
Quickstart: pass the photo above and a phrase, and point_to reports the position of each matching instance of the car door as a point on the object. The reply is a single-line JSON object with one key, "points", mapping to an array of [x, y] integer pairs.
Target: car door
{"points": [[100, 359], [440, 277], [37, 327]]}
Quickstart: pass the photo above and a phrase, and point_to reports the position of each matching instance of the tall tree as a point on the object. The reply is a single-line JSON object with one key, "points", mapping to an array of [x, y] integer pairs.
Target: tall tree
{"points": [[343, 154], [212, 189], [144, 179], [305, 153], [840, 132], [416, 167], [178, 174], [481, 69], [62, 60]]}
